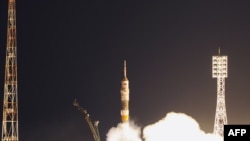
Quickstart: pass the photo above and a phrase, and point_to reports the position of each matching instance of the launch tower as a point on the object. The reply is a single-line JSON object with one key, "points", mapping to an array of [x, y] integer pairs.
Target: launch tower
{"points": [[219, 71], [10, 100]]}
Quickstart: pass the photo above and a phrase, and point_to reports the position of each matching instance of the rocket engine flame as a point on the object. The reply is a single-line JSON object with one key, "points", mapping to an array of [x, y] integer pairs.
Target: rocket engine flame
{"points": [[125, 131]]}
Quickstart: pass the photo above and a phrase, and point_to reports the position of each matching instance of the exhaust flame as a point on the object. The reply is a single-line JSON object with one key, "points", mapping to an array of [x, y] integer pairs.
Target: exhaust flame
{"points": [[173, 127], [127, 131]]}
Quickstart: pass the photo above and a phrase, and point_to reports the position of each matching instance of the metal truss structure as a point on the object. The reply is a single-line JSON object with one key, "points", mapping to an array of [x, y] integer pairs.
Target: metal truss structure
{"points": [[219, 71]]}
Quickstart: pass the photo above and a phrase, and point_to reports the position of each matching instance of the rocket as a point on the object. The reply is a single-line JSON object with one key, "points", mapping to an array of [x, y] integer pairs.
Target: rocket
{"points": [[125, 96]]}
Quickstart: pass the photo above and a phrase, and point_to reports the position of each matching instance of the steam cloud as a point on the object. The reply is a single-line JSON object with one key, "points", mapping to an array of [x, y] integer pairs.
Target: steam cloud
{"points": [[173, 127]]}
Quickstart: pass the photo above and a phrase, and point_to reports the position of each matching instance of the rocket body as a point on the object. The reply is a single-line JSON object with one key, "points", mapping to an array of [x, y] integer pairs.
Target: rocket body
{"points": [[125, 96]]}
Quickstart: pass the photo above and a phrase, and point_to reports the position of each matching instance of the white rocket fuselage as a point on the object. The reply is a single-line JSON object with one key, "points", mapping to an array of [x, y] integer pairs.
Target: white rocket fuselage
{"points": [[125, 96]]}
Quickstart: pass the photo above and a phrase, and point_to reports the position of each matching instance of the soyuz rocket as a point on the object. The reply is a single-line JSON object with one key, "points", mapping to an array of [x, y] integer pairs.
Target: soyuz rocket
{"points": [[125, 96]]}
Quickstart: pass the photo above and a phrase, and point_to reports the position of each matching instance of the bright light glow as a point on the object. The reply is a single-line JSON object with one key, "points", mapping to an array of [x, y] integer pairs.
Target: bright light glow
{"points": [[173, 127], [219, 66], [127, 131]]}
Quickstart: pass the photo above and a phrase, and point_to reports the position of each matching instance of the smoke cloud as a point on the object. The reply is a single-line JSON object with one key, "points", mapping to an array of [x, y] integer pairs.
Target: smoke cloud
{"points": [[173, 127], [124, 132]]}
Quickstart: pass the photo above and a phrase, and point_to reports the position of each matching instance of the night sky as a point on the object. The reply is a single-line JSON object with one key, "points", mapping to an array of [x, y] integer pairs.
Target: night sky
{"points": [[71, 49]]}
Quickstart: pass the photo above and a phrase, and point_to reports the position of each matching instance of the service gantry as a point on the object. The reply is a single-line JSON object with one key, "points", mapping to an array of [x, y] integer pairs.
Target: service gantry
{"points": [[219, 71], [93, 125]]}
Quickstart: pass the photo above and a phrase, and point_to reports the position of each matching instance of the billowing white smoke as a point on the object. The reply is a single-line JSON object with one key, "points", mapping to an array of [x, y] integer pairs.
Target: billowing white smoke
{"points": [[177, 127], [124, 132], [173, 127]]}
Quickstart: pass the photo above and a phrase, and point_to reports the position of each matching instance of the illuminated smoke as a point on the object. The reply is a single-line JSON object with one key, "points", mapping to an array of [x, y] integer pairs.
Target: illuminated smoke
{"points": [[124, 132], [173, 127], [177, 127]]}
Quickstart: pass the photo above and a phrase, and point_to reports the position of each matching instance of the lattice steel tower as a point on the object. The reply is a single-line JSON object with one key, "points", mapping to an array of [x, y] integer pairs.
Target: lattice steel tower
{"points": [[219, 71], [10, 101]]}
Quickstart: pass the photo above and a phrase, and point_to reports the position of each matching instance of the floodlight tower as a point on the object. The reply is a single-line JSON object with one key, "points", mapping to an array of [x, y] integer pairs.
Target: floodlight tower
{"points": [[219, 71], [10, 100]]}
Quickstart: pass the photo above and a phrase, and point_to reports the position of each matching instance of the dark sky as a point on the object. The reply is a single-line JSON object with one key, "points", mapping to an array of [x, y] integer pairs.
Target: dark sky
{"points": [[71, 49]]}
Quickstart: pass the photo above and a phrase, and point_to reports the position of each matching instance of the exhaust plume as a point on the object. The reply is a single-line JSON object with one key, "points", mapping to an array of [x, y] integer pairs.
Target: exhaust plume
{"points": [[173, 127]]}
